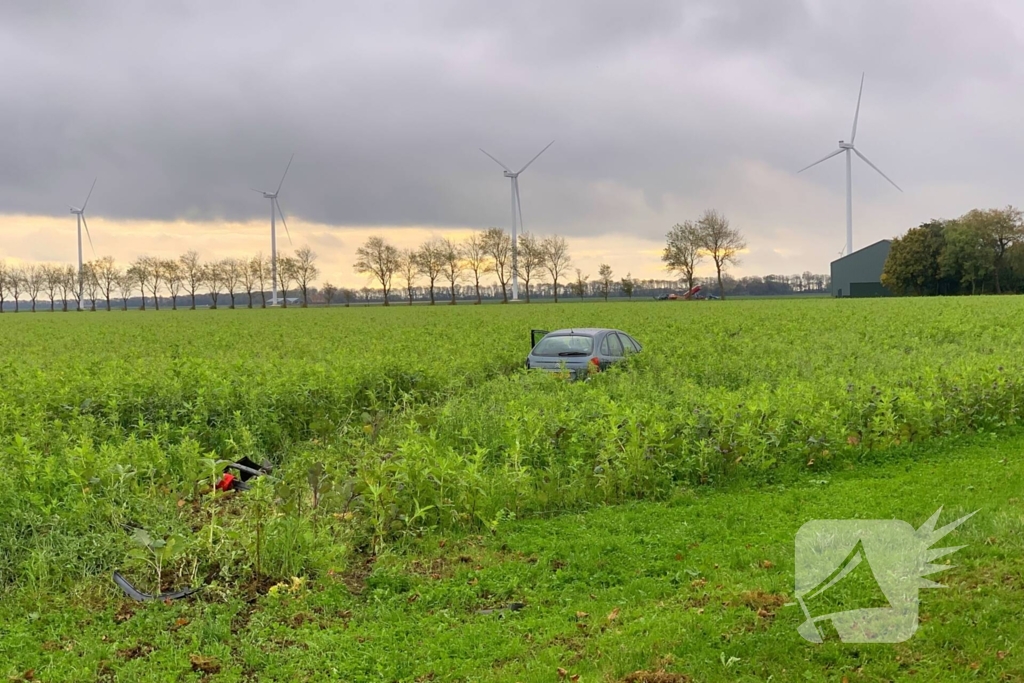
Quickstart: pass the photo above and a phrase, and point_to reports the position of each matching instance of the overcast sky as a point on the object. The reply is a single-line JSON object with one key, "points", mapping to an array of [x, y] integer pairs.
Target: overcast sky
{"points": [[658, 110]]}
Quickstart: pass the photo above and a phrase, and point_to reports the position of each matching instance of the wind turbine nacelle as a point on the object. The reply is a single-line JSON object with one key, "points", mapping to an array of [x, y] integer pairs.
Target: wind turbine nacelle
{"points": [[509, 174], [845, 145]]}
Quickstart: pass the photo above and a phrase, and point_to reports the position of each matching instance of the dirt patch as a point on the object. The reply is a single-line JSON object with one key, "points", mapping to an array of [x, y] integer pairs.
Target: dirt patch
{"points": [[355, 578], [206, 665], [655, 677], [137, 651], [124, 612], [758, 600]]}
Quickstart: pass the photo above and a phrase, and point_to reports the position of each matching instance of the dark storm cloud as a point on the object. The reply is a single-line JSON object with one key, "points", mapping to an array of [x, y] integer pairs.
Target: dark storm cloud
{"points": [[180, 107]]}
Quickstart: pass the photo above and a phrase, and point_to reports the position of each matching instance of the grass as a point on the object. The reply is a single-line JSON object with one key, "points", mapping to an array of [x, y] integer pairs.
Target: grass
{"points": [[694, 586]]}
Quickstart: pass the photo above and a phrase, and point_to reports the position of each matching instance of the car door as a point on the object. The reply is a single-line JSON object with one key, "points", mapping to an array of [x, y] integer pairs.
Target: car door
{"points": [[615, 350], [629, 345]]}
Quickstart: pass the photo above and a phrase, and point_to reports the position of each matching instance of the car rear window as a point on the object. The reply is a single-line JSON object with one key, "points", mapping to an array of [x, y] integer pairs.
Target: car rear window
{"points": [[564, 345]]}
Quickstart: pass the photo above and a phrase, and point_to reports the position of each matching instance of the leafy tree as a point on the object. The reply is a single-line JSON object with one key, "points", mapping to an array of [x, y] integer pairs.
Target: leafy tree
{"points": [[1000, 229], [722, 242], [498, 245], [683, 251], [379, 258], [913, 262], [967, 254], [556, 259]]}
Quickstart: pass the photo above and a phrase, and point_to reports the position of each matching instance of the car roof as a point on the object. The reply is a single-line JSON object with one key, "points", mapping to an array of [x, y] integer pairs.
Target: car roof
{"points": [[581, 331]]}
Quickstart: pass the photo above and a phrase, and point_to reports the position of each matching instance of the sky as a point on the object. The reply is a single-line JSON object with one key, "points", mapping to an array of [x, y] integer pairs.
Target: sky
{"points": [[658, 109]]}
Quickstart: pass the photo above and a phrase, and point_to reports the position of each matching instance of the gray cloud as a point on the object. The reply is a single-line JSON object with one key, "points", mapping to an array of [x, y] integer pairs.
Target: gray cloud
{"points": [[180, 107]]}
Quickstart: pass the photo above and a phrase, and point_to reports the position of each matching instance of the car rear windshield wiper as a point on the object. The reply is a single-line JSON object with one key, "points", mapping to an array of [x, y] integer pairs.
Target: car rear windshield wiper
{"points": [[573, 353]]}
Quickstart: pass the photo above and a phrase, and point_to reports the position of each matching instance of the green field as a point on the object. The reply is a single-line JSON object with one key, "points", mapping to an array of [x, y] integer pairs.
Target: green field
{"points": [[425, 476]]}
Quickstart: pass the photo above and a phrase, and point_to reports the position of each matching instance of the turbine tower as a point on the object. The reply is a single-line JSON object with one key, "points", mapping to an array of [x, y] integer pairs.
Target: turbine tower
{"points": [[517, 209], [848, 148], [275, 210], [80, 213]]}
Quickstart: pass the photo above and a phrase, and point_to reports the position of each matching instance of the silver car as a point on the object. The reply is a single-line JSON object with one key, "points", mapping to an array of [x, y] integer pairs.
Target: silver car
{"points": [[580, 351]]}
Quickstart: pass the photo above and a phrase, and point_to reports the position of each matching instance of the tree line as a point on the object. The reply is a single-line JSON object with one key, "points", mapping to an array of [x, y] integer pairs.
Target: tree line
{"points": [[444, 265], [185, 278], [980, 252]]}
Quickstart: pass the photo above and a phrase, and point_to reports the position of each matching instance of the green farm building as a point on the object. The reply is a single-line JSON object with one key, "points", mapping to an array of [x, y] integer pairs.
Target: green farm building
{"points": [[860, 274]]}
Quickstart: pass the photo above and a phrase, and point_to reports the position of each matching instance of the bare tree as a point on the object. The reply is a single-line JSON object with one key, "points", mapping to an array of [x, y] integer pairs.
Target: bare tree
{"points": [[498, 245], [34, 279], [556, 259], [125, 287], [259, 267], [52, 275], [107, 274], [193, 274], [349, 295], [4, 274], [430, 260], [477, 259], [721, 242], [329, 292], [156, 278], [231, 276], [250, 277], [139, 270], [683, 250], [379, 258], [15, 285], [409, 270], [213, 276], [579, 287], [453, 265], [628, 285], [306, 272], [92, 283], [175, 280], [604, 273], [287, 271], [530, 260], [67, 284]]}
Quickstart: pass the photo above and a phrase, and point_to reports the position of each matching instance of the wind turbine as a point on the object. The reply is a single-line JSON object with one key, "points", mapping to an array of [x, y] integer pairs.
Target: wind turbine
{"points": [[81, 221], [517, 208], [848, 148], [275, 206]]}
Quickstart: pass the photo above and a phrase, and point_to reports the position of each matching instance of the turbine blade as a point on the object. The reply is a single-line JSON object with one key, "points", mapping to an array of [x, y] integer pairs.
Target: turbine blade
{"points": [[519, 205], [856, 115], [90, 194], [865, 160], [89, 235], [535, 158], [255, 190], [499, 163], [838, 151], [283, 221], [285, 172]]}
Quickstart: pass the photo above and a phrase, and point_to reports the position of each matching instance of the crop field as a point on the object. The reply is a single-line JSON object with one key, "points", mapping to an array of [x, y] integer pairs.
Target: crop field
{"points": [[414, 459]]}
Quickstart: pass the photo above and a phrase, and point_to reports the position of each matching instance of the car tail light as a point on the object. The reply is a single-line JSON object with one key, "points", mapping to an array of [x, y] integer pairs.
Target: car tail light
{"points": [[596, 362]]}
